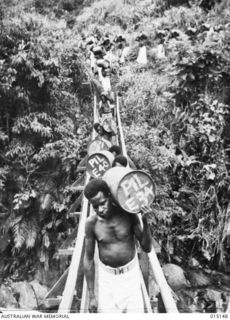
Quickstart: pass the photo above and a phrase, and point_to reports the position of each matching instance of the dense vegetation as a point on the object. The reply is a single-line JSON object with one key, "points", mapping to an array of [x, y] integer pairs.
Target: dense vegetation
{"points": [[40, 142], [175, 115]]}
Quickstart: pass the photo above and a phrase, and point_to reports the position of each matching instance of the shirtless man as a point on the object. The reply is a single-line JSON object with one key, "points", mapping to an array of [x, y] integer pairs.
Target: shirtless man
{"points": [[115, 232], [102, 134], [106, 109]]}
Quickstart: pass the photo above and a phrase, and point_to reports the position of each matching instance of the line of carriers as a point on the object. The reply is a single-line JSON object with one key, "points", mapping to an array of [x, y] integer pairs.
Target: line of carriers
{"points": [[132, 189]]}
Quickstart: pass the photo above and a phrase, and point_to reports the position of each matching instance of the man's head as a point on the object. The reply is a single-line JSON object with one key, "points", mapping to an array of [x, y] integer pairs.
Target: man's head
{"points": [[115, 150], [120, 161], [106, 42], [98, 128], [98, 52], [107, 128], [142, 38], [119, 38], [103, 97], [98, 194]]}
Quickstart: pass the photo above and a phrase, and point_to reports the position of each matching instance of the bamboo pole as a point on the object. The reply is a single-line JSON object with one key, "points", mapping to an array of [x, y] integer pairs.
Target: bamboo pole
{"points": [[165, 290], [120, 129], [84, 298], [147, 305], [85, 295], [95, 111]]}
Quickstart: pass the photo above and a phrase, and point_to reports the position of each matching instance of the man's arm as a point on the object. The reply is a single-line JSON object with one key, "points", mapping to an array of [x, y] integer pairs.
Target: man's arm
{"points": [[89, 268], [143, 235]]}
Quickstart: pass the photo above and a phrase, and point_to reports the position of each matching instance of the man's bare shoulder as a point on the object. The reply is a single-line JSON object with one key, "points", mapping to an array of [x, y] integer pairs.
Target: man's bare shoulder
{"points": [[125, 214]]}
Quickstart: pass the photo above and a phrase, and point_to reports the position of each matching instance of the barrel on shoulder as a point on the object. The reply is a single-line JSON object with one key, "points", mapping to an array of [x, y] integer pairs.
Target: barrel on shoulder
{"points": [[131, 189], [98, 145], [98, 163]]}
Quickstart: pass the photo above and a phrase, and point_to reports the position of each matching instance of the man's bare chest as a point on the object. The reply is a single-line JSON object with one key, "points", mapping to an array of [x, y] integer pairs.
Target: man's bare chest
{"points": [[113, 231]]}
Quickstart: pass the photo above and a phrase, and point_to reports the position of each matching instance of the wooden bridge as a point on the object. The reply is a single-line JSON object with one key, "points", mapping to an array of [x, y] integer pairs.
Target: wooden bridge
{"points": [[63, 293]]}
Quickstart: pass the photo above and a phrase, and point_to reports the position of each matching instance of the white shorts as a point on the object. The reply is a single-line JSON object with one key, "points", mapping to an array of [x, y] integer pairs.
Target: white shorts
{"points": [[119, 289], [142, 55]]}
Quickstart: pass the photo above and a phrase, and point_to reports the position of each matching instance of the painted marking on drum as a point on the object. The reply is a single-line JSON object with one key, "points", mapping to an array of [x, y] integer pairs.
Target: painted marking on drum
{"points": [[95, 160], [131, 204], [137, 192], [133, 183], [99, 165]]}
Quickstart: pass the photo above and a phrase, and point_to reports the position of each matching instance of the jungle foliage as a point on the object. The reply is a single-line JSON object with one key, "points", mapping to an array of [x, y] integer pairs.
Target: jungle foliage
{"points": [[40, 143]]}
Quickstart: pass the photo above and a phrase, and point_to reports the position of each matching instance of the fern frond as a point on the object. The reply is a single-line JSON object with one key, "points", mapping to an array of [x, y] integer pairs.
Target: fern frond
{"points": [[33, 230], [20, 231]]}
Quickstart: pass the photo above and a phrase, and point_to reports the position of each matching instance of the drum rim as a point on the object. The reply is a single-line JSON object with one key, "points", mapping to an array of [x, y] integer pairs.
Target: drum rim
{"points": [[97, 140], [136, 171]]}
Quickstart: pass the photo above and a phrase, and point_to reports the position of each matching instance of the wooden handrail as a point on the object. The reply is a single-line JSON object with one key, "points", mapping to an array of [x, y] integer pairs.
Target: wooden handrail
{"points": [[84, 297], [147, 306], [122, 140], [95, 112], [165, 290]]}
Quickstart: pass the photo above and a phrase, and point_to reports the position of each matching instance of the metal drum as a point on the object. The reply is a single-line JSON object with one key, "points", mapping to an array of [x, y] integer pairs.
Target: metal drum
{"points": [[98, 145], [131, 189], [98, 163]]}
